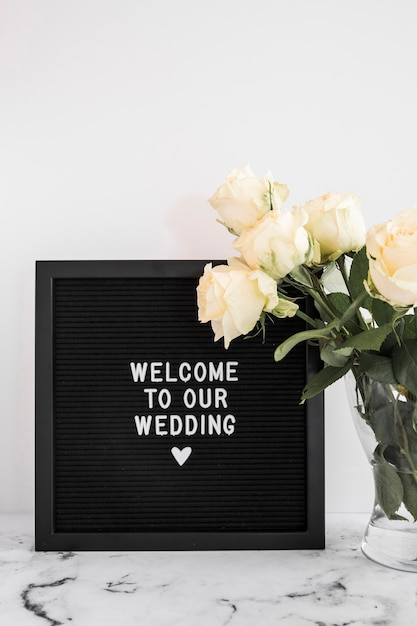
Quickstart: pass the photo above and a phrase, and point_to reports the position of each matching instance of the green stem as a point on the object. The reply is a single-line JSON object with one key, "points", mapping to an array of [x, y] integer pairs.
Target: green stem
{"points": [[314, 290], [306, 318], [341, 264], [353, 307], [405, 448], [322, 301]]}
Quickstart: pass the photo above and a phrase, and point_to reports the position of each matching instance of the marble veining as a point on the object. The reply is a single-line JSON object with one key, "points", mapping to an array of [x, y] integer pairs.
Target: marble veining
{"points": [[337, 586]]}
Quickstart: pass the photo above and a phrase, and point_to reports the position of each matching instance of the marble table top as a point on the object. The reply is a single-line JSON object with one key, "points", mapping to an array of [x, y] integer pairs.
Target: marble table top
{"points": [[332, 587]]}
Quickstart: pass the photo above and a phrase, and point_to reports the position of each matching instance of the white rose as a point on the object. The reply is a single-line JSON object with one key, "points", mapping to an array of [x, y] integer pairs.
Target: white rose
{"points": [[242, 198], [392, 253], [232, 297], [337, 223], [277, 244]]}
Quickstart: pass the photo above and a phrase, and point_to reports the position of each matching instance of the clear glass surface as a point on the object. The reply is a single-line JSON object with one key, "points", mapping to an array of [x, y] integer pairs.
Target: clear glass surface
{"points": [[386, 423]]}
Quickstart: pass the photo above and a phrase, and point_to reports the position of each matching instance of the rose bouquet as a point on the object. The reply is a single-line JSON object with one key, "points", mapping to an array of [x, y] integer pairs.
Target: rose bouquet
{"points": [[364, 287]]}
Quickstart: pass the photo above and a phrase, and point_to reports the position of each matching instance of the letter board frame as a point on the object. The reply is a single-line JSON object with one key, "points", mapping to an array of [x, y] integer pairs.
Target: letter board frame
{"points": [[107, 478]]}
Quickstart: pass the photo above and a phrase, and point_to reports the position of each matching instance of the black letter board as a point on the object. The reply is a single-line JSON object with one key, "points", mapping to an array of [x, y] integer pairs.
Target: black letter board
{"points": [[150, 435]]}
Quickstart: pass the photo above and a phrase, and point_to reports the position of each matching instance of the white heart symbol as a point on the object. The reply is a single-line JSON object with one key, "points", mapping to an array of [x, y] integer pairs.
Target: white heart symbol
{"points": [[181, 455]]}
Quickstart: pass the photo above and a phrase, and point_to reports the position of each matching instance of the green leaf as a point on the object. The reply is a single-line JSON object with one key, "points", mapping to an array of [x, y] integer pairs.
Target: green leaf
{"points": [[406, 426], [340, 302], [392, 340], [410, 493], [315, 333], [329, 355], [324, 378], [377, 366], [358, 272], [389, 488], [382, 312], [404, 363], [410, 326], [352, 309], [382, 422], [366, 340]]}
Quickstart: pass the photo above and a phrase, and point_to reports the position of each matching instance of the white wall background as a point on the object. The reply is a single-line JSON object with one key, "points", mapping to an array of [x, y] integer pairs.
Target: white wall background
{"points": [[119, 118]]}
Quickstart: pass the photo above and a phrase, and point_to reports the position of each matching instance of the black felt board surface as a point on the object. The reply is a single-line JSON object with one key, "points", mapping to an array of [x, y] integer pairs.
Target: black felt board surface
{"points": [[168, 461]]}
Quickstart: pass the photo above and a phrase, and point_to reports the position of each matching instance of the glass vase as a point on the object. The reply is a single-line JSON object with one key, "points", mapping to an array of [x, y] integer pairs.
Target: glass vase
{"points": [[385, 417]]}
